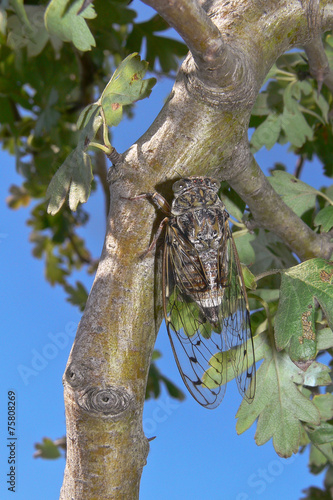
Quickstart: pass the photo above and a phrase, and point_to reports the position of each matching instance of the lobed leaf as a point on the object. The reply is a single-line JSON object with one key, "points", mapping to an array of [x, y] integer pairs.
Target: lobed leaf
{"points": [[126, 86], [324, 218], [62, 20], [278, 405], [298, 195], [294, 323]]}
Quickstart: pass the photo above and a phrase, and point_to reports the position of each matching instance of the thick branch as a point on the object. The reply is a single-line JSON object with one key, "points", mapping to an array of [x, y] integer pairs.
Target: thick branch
{"points": [[214, 58], [270, 212]]}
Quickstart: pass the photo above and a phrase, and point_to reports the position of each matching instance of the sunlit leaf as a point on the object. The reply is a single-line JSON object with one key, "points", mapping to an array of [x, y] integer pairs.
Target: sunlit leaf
{"points": [[125, 87], [65, 23], [301, 286]]}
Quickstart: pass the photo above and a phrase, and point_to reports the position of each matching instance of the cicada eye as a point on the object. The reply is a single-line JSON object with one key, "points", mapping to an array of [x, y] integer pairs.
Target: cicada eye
{"points": [[178, 186]]}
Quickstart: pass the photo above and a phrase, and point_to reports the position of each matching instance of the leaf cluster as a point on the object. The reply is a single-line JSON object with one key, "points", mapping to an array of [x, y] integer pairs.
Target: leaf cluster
{"points": [[54, 61], [291, 110], [292, 322]]}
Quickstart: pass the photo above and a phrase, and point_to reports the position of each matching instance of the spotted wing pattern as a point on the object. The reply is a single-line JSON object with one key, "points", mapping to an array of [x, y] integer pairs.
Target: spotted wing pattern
{"points": [[208, 323]]}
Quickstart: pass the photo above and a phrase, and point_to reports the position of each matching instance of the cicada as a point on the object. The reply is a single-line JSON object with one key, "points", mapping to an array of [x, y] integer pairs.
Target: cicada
{"points": [[204, 297]]}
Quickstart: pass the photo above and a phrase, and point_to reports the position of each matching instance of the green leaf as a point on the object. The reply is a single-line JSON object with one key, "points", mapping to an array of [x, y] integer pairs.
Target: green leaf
{"points": [[212, 376], [324, 218], [73, 177], [294, 323], [33, 35], [324, 403], [49, 116], [47, 449], [19, 197], [261, 107], [245, 250], [324, 339], [295, 127], [249, 278], [86, 114], [298, 195], [54, 273], [278, 404], [267, 133], [319, 456], [77, 295], [322, 434], [234, 204], [269, 252], [63, 21], [125, 87], [75, 174], [21, 13], [316, 375]]}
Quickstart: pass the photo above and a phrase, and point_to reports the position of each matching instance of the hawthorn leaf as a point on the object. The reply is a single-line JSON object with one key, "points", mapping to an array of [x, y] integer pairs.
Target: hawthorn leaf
{"points": [[125, 87], [49, 116], [295, 127], [267, 133], [324, 218], [244, 247], [64, 22], [324, 403], [47, 449], [21, 13], [77, 295], [317, 374], [298, 195], [320, 455], [31, 34], [269, 251], [321, 434], [279, 406], [324, 339], [301, 286], [73, 177]]}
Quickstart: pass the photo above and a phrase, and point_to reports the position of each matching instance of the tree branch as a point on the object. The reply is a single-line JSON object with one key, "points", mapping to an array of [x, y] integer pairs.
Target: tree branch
{"points": [[213, 57], [257, 192], [318, 63]]}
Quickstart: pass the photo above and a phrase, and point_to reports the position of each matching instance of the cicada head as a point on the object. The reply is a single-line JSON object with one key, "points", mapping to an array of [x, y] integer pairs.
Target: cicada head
{"points": [[194, 192]]}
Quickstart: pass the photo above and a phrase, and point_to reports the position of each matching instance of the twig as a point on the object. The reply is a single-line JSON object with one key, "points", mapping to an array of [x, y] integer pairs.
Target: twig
{"points": [[299, 166], [318, 63]]}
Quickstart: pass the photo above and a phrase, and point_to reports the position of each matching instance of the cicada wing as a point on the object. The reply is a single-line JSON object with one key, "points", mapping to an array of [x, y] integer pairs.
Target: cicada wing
{"points": [[236, 322], [197, 347]]}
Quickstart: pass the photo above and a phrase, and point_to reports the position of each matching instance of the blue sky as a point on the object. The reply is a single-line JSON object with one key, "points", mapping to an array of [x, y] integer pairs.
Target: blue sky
{"points": [[197, 453]]}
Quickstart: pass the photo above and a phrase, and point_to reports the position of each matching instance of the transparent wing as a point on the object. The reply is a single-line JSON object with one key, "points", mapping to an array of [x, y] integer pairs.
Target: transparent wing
{"points": [[236, 324], [208, 323]]}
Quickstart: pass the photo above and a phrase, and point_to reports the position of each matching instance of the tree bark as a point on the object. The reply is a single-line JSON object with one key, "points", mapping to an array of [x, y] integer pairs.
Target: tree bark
{"points": [[201, 130]]}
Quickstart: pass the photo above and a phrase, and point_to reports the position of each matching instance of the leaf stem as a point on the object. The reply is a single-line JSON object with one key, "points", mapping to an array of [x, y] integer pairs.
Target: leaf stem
{"points": [[269, 273], [323, 195], [107, 150]]}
